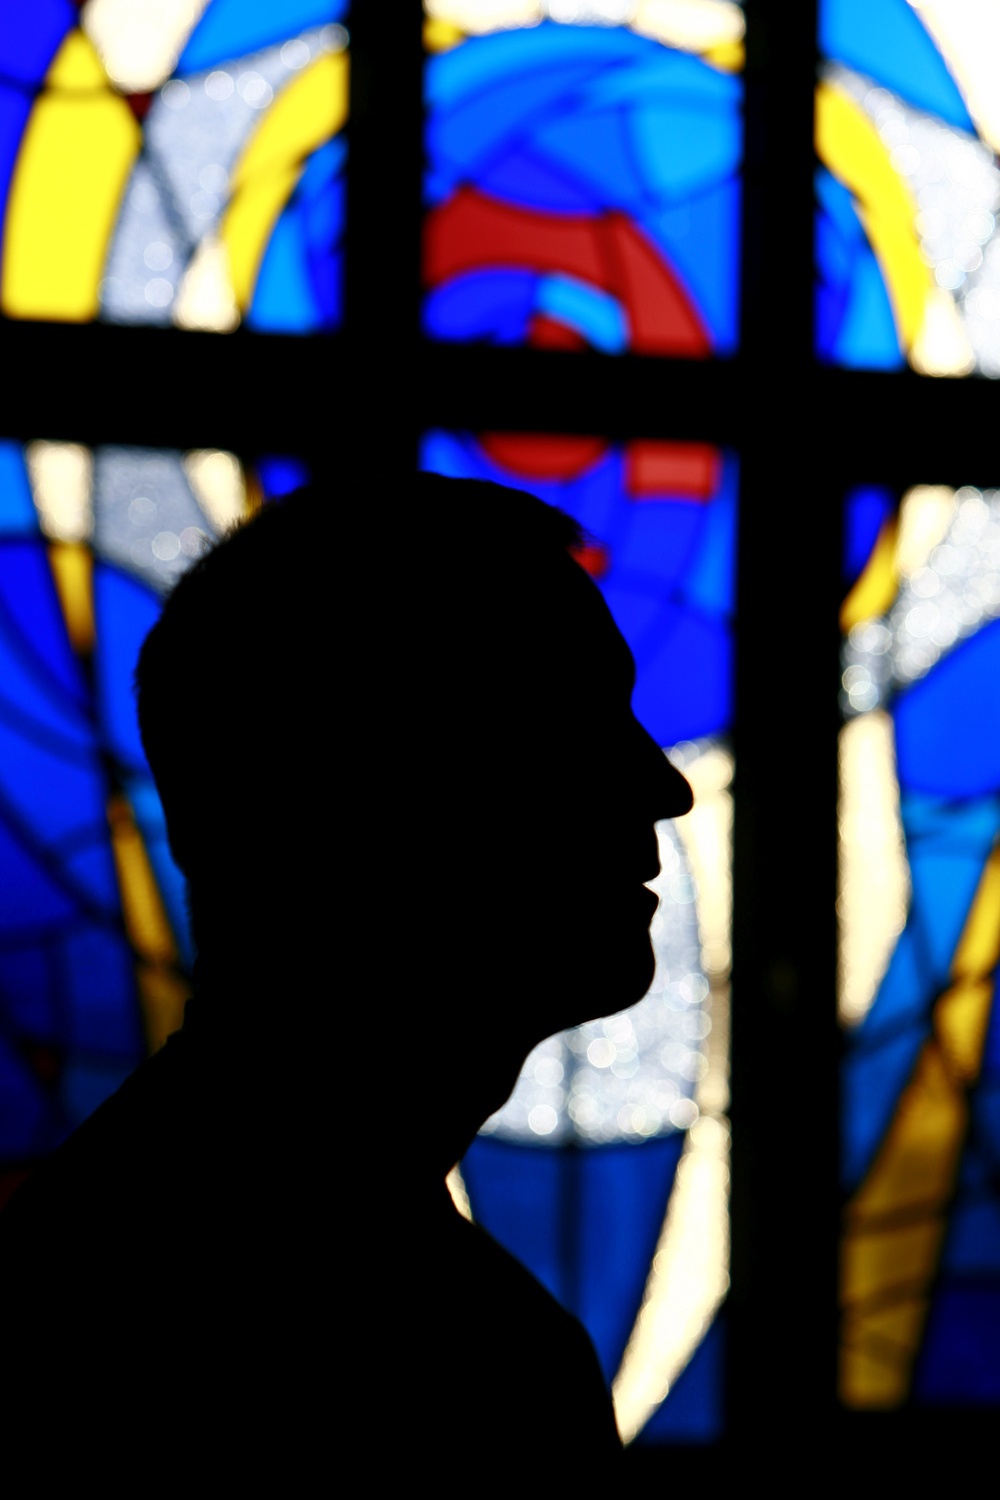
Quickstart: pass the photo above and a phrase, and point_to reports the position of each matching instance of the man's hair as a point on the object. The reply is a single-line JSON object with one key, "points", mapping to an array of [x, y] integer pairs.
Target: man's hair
{"points": [[297, 630]]}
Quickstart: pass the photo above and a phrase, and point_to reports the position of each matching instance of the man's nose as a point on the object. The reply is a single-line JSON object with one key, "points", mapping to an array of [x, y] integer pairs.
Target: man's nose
{"points": [[668, 788]]}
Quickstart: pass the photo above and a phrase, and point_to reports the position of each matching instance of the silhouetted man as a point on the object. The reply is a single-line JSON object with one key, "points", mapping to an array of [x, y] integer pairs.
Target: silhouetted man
{"points": [[416, 835]]}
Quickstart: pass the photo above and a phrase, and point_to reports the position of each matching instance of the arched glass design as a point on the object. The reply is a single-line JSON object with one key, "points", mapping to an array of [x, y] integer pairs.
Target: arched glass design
{"points": [[178, 164]]}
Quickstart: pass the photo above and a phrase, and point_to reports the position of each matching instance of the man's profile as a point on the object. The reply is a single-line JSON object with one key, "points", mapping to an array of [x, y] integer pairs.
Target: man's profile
{"points": [[416, 835]]}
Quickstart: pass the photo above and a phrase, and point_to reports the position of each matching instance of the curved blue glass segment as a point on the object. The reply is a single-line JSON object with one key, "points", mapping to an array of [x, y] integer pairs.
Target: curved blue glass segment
{"points": [[229, 28], [886, 40], [575, 131], [666, 569]]}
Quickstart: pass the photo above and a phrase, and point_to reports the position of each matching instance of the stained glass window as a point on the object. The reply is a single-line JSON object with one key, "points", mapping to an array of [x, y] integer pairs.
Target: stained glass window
{"points": [[908, 186], [582, 183], [600, 177], [94, 942], [630, 1111], [173, 163], [920, 912]]}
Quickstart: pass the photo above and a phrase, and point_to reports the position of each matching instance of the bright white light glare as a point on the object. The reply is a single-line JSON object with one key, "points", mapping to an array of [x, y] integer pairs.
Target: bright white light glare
{"points": [[455, 1184], [61, 481], [953, 178], [542, 1119], [924, 517], [157, 255], [688, 1279], [640, 1072], [205, 297], [873, 874], [159, 292], [706, 834], [481, 16], [165, 546], [949, 568], [295, 54], [967, 33], [139, 41], [690, 25], [216, 479], [219, 85]]}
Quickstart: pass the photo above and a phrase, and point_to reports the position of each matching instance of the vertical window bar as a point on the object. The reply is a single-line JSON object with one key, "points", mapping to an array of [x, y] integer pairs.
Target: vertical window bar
{"points": [[785, 1047]]}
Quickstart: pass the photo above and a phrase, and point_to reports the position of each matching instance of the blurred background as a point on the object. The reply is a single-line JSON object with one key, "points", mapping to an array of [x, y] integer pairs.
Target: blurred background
{"points": [[723, 282]]}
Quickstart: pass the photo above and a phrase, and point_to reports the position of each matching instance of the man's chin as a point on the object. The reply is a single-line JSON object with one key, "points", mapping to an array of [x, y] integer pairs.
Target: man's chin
{"points": [[622, 981]]}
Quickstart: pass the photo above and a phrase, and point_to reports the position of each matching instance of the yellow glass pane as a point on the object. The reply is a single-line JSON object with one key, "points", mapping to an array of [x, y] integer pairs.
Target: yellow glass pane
{"points": [[894, 1225], [72, 567], [887, 1262], [142, 906], [75, 158], [848, 143], [961, 1017], [875, 1353], [876, 588], [978, 951], [302, 118]]}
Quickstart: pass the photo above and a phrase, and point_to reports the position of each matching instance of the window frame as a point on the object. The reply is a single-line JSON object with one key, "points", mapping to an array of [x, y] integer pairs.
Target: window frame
{"points": [[353, 405]]}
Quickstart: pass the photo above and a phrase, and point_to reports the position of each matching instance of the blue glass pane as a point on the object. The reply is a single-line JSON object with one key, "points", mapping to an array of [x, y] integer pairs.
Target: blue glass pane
{"points": [[594, 314], [91, 869], [710, 577], [100, 994], [23, 1110], [692, 1411], [497, 304], [698, 239], [872, 1082], [567, 54], [52, 794], [684, 686], [655, 73], [29, 993], [297, 290], [126, 611], [32, 699], [30, 36], [17, 510], [866, 338], [148, 812], [948, 845], [669, 582], [973, 1246], [284, 301], [14, 110], [229, 28], [30, 610], [586, 129], [855, 323], [960, 1362], [886, 40], [607, 1204], [598, 153], [522, 176], [656, 548], [867, 508], [947, 727], [682, 150], [35, 901], [279, 476], [85, 1083]]}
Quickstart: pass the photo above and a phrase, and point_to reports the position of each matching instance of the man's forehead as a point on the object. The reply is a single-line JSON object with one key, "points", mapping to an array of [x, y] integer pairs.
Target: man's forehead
{"points": [[597, 642]]}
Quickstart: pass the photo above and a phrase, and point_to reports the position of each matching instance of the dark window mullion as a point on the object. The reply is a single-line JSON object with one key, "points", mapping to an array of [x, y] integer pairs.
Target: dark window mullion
{"points": [[784, 1111]]}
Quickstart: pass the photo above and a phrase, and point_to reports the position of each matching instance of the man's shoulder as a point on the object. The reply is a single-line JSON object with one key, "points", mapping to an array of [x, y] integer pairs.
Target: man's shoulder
{"points": [[501, 1353], [104, 1164]]}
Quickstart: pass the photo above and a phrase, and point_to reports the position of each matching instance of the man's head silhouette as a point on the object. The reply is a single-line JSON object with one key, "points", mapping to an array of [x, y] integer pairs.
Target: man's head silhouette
{"points": [[407, 788]]}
